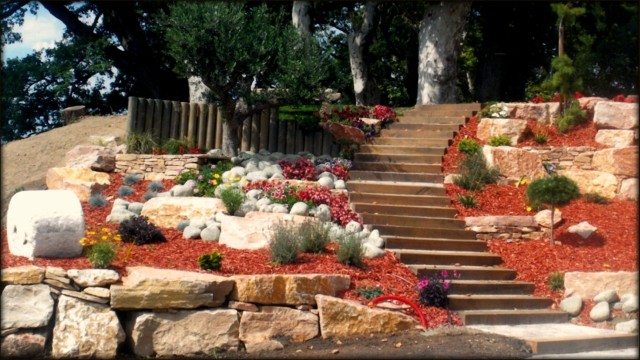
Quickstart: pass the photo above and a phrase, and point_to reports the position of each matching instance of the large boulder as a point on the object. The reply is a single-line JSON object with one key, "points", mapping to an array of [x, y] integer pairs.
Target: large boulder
{"points": [[82, 181], [276, 321], [343, 133], [168, 212], [513, 163], [45, 223], [544, 113], [616, 138], [85, 330], [616, 115], [589, 284], [184, 333], [512, 128], [26, 306], [617, 161], [629, 189], [94, 157], [254, 230], [589, 181], [589, 103]]}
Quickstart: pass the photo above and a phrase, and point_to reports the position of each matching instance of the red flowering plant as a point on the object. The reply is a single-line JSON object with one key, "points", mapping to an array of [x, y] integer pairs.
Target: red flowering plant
{"points": [[302, 169], [384, 113], [337, 166]]}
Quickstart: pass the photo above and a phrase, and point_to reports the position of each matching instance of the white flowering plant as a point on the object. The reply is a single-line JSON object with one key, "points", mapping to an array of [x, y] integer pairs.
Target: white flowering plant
{"points": [[498, 111]]}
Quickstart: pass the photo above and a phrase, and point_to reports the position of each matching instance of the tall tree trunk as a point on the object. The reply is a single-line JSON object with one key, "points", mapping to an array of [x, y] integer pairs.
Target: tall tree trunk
{"points": [[358, 40], [197, 90], [301, 18], [440, 41], [230, 141]]}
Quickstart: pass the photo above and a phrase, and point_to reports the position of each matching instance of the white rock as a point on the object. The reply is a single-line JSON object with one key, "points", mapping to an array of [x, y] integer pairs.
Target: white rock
{"points": [[630, 326], [135, 207], [543, 218], [600, 312], [299, 208], [630, 305], [340, 185], [583, 229], [572, 305], [370, 251], [180, 191], [279, 209], [53, 228], [93, 277], [254, 194], [327, 182], [258, 175], [191, 232], [118, 215], [609, 296], [199, 223], [26, 345], [26, 306], [210, 234]]}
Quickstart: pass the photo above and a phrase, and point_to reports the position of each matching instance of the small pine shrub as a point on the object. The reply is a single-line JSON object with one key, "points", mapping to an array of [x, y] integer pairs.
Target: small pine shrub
{"points": [[474, 172], [211, 261], [468, 201], [314, 236], [97, 200], [102, 254], [140, 143], [232, 199], [556, 281], [369, 293], [468, 146], [132, 179], [140, 231], [125, 190], [284, 243], [595, 198], [155, 186], [572, 116], [500, 140], [149, 195], [350, 251]]}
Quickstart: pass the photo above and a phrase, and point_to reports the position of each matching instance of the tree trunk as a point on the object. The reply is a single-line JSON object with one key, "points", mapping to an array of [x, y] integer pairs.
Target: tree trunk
{"points": [[364, 88], [553, 209], [301, 18], [230, 141], [440, 41], [197, 90]]}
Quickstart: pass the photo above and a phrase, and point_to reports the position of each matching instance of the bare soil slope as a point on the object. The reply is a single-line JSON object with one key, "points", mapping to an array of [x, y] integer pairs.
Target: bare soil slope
{"points": [[25, 162]]}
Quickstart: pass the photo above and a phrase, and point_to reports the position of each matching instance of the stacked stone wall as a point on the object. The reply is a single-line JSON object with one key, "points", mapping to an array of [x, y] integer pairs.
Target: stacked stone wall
{"points": [[156, 167]]}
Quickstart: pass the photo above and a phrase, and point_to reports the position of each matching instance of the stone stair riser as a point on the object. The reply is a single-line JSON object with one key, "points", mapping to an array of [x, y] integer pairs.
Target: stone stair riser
{"points": [[487, 273], [435, 169], [398, 199], [396, 189], [487, 288], [413, 221], [401, 177], [436, 259], [404, 150], [404, 210], [396, 242], [418, 134], [399, 158], [462, 302], [392, 230], [406, 142], [421, 122], [515, 317], [570, 345]]}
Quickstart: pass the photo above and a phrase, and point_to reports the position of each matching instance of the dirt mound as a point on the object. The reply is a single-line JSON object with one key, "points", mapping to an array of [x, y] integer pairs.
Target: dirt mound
{"points": [[25, 162]]}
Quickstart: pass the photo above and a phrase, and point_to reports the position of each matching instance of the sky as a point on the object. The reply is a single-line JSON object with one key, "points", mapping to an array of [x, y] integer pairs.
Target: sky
{"points": [[38, 32]]}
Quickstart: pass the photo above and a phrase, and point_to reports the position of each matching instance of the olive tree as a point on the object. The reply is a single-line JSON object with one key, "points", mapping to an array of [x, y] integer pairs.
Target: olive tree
{"points": [[236, 49]]}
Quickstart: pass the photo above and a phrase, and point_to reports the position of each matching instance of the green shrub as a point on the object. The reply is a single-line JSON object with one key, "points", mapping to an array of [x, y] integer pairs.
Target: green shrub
{"points": [[177, 146], [125, 190], [595, 198], [102, 254], [97, 200], [500, 140], [474, 172], [468, 201], [140, 231], [232, 199], [155, 186], [369, 293], [132, 179], [468, 146], [313, 236], [540, 138], [211, 261], [207, 179], [556, 281], [284, 244], [350, 251], [140, 143], [572, 116]]}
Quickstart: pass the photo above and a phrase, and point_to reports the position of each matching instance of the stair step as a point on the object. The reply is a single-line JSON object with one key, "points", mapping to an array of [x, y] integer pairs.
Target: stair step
{"points": [[447, 257], [409, 120], [475, 106], [404, 141], [395, 176], [569, 344], [394, 230], [399, 242], [412, 221], [406, 210], [467, 272], [512, 317], [397, 167], [418, 133], [407, 149], [398, 158], [497, 302], [496, 287], [398, 199], [397, 188]]}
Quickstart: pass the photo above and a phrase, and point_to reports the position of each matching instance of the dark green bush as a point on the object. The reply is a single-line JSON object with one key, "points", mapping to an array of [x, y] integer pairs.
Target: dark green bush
{"points": [[140, 231], [468, 146], [595, 198], [314, 236], [540, 138], [350, 251], [500, 140], [369, 293], [284, 243], [433, 290], [474, 172], [211, 261], [572, 116], [102, 254]]}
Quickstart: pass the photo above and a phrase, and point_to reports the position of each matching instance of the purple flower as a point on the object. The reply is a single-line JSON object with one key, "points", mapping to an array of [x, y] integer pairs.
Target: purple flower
{"points": [[445, 285], [445, 274]]}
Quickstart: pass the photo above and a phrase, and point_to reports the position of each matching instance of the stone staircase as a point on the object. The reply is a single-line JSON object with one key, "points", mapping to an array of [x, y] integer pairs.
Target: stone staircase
{"points": [[397, 187]]}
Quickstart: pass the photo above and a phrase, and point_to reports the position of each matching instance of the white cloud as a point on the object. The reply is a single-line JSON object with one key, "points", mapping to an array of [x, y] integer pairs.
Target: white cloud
{"points": [[38, 31]]}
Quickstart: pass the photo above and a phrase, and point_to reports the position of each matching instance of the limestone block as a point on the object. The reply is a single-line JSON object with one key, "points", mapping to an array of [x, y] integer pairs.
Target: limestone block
{"points": [[45, 223], [544, 113], [589, 284], [26, 306], [167, 212], [512, 128], [616, 115], [82, 181], [629, 189], [85, 330], [26, 345], [344, 318], [617, 161], [254, 230], [583, 229], [543, 218], [93, 277], [23, 275], [616, 138], [284, 289], [504, 220], [275, 321], [513, 163], [185, 333], [94, 157], [592, 181], [589, 102]]}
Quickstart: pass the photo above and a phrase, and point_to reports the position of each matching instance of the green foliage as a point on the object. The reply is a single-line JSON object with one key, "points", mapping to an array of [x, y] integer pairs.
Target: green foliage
{"points": [[468, 201], [284, 244], [474, 172], [140, 231], [565, 79], [540, 138], [102, 254], [350, 251], [140, 143], [97, 200], [313, 236], [556, 281], [306, 116], [177, 146], [232, 199], [132, 179], [211, 261], [572, 116], [595, 198], [155, 186], [468, 146], [207, 179], [500, 140], [125, 190], [369, 293], [553, 190]]}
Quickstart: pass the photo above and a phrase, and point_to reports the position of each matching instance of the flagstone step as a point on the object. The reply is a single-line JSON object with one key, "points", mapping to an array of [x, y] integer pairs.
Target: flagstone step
{"points": [[380, 140], [497, 302], [397, 167], [466, 272], [406, 210], [395, 176], [433, 257], [497, 287], [380, 187], [398, 158], [403, 242], [512, 317], [397, 199], [412, 221], [397, 149], [409, 231]]}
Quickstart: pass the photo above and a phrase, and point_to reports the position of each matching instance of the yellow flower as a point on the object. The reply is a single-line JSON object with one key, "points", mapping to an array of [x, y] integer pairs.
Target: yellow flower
{"points": [[104, 237], [213, 182], [529, 209], [217, 176], [557, 210], [117, 237], [237, 178], [104, 229], [91, 232], [228, 185]]}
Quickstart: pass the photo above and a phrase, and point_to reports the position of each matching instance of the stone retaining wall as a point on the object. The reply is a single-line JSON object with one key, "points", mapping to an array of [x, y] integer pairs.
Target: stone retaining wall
{"points": [[158, 312], [156, 167], [574, 158]]}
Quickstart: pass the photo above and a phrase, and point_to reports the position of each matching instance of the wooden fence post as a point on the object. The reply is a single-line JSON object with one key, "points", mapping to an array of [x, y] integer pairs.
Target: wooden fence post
{"points": [[211, 127], [184, 119], [132, 112], [140, 117], [291, 137], [327, 141], [299, 139], [283, 130], [148, 126], [202, 124], [255, 133], [175, 120], [308, 141], [317, 143], [219, 120], [264, 130], [193, 118], [273, 129], [165, 133], [157, 120]]}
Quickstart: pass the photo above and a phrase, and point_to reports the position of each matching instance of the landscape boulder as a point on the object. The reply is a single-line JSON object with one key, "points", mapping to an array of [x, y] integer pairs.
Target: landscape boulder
{"points": [[616, 138], [275, 321], [82, 181], [617, 161], [254, 230], [616, 115], [629, 189], [168, 212], [513, 163], [544, 113], [591, 181], [343, 133], [589, 284], [511, 128], [23, 275], [25, 345], [94, 157]]}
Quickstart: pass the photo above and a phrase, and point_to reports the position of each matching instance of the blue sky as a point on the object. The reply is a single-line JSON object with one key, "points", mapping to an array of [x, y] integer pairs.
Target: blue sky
{"points": [[38, 32]]}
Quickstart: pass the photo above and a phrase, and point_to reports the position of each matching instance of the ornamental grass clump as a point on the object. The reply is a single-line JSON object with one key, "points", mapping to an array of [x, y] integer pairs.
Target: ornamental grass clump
{"points": [[140, 231], [468, 146], [474, 172], [500, 140], [468, 201], [350, 251], [232, 198], [284, 243], [553, 191], [132, 179], [125, 190], [97, 200], [155, 186], [313, 236], [556, 281]]}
